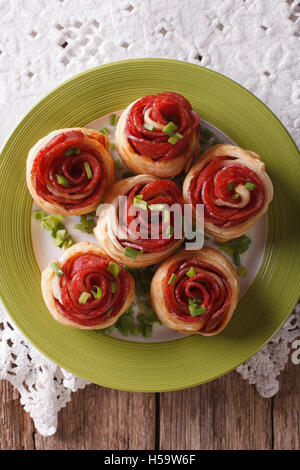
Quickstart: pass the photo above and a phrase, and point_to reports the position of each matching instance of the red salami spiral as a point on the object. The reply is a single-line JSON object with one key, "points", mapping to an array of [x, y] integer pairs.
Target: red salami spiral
{"points": [[195, 291], [164, 107], [71, 171]]}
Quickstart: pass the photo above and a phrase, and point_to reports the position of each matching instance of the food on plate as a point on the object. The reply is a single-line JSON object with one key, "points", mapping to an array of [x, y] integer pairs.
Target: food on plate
{"points": [[158, 135], [195, 292], [69, 171], [234, 187], [138, 230], [86, 289]]}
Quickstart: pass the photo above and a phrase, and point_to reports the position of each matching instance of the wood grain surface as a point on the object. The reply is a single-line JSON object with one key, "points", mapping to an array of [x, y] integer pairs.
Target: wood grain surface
{"points": [[225, 414]]}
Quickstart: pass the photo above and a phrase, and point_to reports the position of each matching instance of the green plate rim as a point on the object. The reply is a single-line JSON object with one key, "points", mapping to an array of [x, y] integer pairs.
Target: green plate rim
{"points": [[267, 256]]}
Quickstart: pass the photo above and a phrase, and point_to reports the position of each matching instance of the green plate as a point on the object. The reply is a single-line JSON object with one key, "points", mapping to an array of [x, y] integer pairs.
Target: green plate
{"points": [[261, 312]]}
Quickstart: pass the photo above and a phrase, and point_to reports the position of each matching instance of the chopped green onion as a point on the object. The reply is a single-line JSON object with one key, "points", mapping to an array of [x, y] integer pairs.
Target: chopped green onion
{"points": [[242, 271], [191, 272], [169, 231], [147, 330], [67, 243], [113, 268], [174, 139], [145, 308], [38, 215], [112, 119], [57, 269], [62, 180], [88, 170], [235, 196], [72, 151], [109, 312], [118, 164], [195, 309], [170, 128], [237, 258], [97, 292], [91, 214], [112, 146], [172, 279], [206, 135], [51, 221], [84, 297], [104, 131], [57, 241], [140, 203], [139, 196], [61, 234], [250, 186], [113, 286], [149, 127], [131, 252], [230, 186]]}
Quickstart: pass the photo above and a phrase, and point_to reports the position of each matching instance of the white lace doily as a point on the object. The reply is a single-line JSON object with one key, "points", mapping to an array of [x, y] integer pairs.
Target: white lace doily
{"points": [[44, 42]]}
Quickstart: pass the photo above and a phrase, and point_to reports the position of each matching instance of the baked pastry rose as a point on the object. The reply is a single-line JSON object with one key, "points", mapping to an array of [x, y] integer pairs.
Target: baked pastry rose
{"points": [[158, 135], [139, 231], [195, 292], [69, 171], [234, 188], [85, 289]]}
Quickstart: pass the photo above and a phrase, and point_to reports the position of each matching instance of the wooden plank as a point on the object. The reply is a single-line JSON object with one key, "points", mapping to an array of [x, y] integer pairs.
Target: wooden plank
{"points": [[286, 410], [100, 418], [225, 414], [16, 426]]}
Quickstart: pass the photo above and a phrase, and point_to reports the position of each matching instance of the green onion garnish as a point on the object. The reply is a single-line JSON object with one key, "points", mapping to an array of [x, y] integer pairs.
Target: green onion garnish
{"points": [[145, 308], [72, 151], [113, 268], [139, 196], [112, 146], [170, 128], [195, 309], [118, 164], [62, 180], [169, 231], [113, 286], [172, 279], [137, 202], [174, 138], [39, 215], [104, 131], [242, 271], [97, 292], [149, 127], [250, 186], [237, 259], [112, 119], [84, 297], [131, 252], [51, 222], [57, 269], [88, 170], [230, 186], [191, 272], [235, 196], [67, 243]]}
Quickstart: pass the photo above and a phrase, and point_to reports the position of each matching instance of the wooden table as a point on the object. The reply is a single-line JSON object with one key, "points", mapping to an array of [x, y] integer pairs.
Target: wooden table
{"points": [[225, 414]]}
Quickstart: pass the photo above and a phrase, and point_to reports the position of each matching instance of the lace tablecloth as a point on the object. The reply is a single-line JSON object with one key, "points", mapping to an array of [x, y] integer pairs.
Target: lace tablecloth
{"points": [[44, 42]]}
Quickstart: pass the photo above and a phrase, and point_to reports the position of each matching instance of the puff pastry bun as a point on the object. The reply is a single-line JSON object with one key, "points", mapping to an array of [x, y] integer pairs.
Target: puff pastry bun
{"points": [[234, 187], [148, 150], [69, 171], [123, 228], [195, 292], [85, 268]]}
